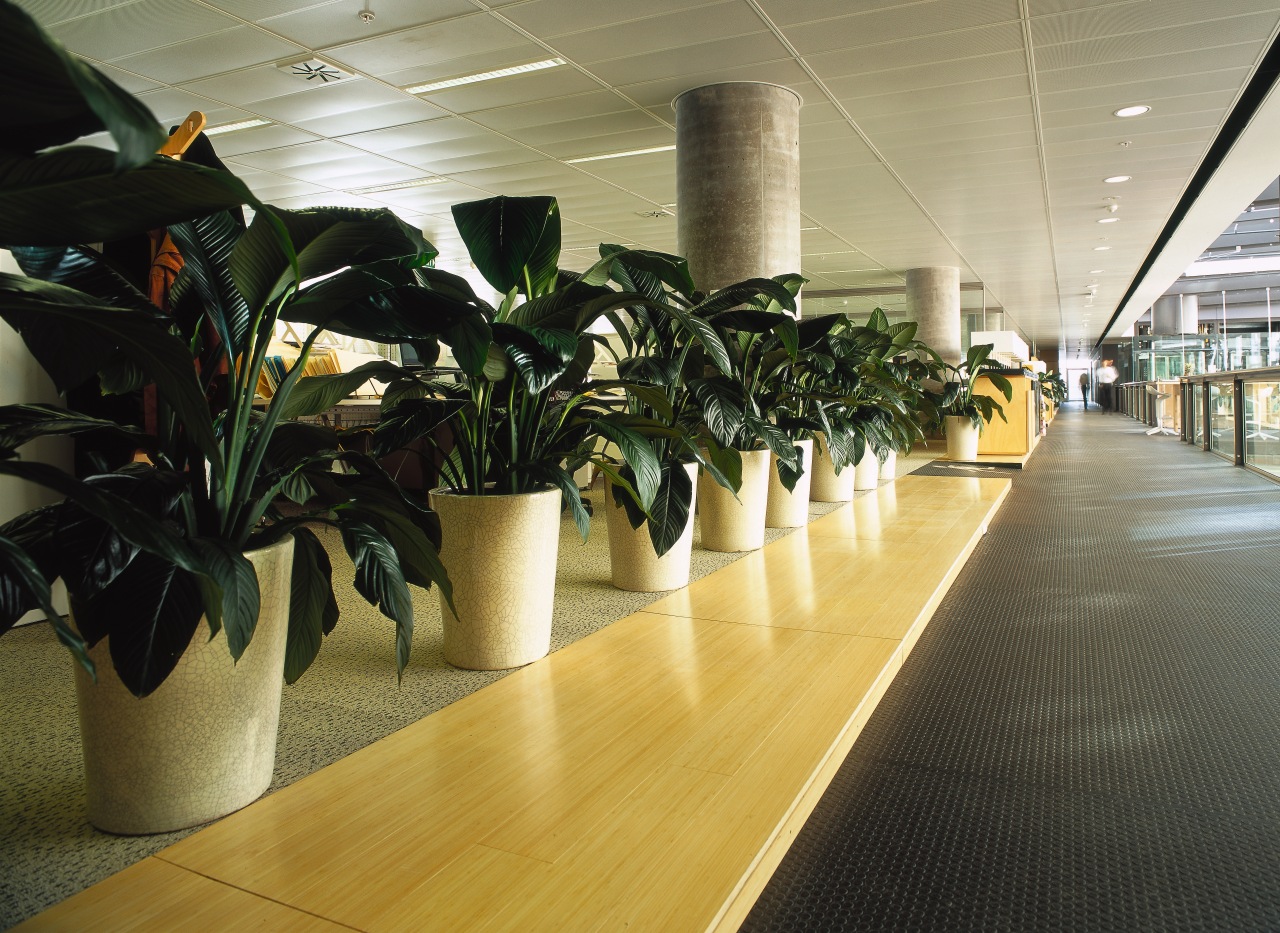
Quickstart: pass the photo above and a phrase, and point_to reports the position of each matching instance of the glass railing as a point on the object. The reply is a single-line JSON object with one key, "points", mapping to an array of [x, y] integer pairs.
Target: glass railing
{"points": [[1237, 416]]}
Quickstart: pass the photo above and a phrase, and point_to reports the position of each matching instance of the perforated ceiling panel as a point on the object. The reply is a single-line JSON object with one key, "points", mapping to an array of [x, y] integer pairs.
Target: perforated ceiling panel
{"points": [[973, 134]]}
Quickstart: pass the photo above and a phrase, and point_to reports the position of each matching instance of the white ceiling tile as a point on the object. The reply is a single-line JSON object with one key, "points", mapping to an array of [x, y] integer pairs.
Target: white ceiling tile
{"points": [[210, 55], [321, 150], [931, 51], [691, 59], [1120, 72], [259, 139], [672, 30], [550, 18], [306, 102], [555, 110], [329, 24], [370, 118], [453, 38], [863, 28], [1174, 40], [132, 83], [129, 28], [410, 135], [614, 142], [170, 105], [574, 132]]}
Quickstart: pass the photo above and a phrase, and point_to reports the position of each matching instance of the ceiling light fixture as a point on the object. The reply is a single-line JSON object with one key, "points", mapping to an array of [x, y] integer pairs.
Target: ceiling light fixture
{"points": [[1108, 220], [1135, 111], [1098, 249], [620, 155], [232, 127], [483, 76], [804, 229], [397, 186], [1097, 271], [1116, 179]]}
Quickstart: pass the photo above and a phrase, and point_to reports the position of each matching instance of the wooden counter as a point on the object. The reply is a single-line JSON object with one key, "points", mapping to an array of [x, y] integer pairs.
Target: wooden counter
{"points": [[1020, 434]]}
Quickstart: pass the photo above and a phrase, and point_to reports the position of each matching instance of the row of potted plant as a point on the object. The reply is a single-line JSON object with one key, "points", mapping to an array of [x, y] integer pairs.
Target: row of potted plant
{"points": [[193, 565]]}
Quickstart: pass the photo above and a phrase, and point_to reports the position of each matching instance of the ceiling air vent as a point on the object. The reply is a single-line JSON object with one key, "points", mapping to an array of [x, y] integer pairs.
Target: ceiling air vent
{"points": [[315, 71], [656, 213]]}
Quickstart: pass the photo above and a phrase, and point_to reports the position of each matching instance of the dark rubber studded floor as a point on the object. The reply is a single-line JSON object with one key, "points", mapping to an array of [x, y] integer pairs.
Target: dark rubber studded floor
{"points": [[1087, 736]]}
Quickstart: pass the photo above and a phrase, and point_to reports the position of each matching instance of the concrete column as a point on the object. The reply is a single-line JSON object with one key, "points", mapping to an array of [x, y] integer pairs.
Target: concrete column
{"points": [[933, 302], [738, 181], [1175, 314]]}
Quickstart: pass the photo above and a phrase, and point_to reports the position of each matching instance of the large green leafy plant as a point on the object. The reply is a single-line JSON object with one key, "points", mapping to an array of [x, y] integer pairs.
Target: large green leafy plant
{"points": [[959, 396], [521, 415], [672, 345], [147, 548]]}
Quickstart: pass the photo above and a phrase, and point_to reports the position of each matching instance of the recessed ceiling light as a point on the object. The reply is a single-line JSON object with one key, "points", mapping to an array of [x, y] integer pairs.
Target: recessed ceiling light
{"points": [[1098, 249], [1097, 271], [232, 127], [620, 155], [1135, 111], [398, 185], [804, 229], [483, 76], [1108, 220], [1116, 179]]}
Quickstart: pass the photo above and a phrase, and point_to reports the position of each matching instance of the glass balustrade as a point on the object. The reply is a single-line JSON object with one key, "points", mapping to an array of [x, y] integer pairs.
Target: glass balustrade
{"points": [[1222, 419], [1262, 426]]}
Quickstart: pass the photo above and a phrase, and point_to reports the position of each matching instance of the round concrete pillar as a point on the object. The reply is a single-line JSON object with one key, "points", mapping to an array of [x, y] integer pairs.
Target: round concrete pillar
{"points": [[933, 302], [738, 181], [1175, 314]]}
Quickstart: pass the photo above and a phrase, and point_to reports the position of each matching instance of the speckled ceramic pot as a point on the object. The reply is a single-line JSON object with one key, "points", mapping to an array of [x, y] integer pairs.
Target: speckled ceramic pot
{"points": [[889, 469], [827, 485], [866, 472], [962, 439], [790, 508], [500, 552], [203, 744], [730, 524], [633, 563]]}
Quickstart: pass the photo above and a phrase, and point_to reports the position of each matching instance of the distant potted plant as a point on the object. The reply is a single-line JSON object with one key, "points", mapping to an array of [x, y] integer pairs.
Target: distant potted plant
{"points": [[520, 420], [963, 411], [180, 565]]}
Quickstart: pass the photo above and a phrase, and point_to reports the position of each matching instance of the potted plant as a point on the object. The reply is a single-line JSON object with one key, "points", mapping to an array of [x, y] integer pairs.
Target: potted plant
{"points": [[669, 345], [738, 410], [193, 594], [520, 421], [962, 410]]}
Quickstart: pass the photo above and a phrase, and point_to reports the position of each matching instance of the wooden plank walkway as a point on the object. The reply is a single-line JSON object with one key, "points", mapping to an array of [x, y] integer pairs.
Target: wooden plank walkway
{"points": [[649, 776]]}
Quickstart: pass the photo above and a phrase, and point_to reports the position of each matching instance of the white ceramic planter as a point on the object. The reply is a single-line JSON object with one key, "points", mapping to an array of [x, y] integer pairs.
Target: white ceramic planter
{"points": [[962, 439], [730, 524], [500, 552], [634, 565], [889, 469], [790, 508], [828, 485], [866, 472], [203, 743]]}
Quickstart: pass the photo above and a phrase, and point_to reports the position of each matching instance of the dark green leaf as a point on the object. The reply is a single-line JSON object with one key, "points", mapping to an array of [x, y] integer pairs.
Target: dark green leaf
{"points": [[34, 309], [55, 98], [313, 611], [669, 512], [314, 394], [73, 195], [380, 580], [230, 571], [509, 238], [22, 423]]}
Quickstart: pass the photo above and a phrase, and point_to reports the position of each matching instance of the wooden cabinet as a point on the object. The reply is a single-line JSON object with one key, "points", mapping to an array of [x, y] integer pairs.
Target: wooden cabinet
{"points": [[1021, 432]]}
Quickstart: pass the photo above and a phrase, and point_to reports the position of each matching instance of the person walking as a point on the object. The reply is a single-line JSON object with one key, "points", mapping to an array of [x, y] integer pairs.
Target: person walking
{"points": [[1107, 377], [1084, 389]]}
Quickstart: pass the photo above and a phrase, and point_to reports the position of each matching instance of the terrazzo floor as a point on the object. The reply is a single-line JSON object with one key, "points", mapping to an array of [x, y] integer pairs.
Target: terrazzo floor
{"points": [[347, 700]]}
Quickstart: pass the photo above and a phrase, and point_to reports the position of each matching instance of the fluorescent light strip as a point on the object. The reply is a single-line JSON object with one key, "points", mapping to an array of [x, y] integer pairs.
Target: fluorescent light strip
{"points": [[397, 186], [621, 155], [232, 127], [484, 76]]}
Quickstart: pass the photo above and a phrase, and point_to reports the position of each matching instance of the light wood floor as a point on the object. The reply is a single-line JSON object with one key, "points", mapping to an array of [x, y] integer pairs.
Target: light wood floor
{"points": [[647, 777]]}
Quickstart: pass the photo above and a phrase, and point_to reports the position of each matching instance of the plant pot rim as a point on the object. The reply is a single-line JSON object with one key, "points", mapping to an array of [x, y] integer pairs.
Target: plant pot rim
{"points": [[446, 491]]}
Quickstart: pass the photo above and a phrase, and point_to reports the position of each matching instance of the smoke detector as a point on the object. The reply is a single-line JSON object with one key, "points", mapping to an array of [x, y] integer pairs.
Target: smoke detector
{"points": [[315, 71]]}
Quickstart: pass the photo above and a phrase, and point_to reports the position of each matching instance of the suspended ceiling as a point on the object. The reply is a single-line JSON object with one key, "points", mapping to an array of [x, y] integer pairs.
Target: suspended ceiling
{"points": [[970, 133]]}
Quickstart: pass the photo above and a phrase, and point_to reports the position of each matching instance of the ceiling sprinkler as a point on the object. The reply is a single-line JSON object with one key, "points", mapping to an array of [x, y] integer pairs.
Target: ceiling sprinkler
{"points": [[366, 15]]}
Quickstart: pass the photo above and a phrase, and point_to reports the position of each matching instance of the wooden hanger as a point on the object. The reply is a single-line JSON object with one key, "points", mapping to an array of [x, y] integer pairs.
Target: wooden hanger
{"points": [[184, 135]]}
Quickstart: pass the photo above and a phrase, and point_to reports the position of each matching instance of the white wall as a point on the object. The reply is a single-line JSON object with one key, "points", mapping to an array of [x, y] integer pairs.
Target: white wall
{"points": [[22, 380]]}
